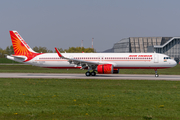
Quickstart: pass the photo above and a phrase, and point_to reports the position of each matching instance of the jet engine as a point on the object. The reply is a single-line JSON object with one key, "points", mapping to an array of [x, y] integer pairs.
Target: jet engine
{"points": [[107, 69]]}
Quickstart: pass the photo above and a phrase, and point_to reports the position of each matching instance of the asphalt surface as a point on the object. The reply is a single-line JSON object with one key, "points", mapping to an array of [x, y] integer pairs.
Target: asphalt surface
{"points": [[98, 76]]}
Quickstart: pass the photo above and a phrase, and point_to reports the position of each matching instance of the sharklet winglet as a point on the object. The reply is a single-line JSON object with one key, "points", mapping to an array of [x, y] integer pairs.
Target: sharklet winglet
{"points": [[59, 54]]}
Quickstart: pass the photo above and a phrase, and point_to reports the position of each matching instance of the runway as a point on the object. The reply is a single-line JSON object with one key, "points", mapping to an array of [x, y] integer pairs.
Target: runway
{"points": [[98, 76]]}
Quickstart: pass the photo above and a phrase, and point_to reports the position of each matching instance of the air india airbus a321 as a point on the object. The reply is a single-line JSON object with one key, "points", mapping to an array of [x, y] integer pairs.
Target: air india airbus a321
{"points": [[102, 63]]}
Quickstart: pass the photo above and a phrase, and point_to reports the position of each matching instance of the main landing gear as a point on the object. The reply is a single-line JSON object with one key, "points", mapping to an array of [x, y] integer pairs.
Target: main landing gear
{"points": [[93, 73], [156, 74]]}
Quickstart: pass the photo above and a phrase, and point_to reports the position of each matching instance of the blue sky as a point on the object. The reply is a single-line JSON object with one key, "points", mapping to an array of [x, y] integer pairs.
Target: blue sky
{"points": [[64, 23]]}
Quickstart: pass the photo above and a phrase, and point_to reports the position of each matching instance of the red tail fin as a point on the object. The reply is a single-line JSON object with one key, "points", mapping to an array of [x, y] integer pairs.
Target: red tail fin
{"points": [[21, 48]]}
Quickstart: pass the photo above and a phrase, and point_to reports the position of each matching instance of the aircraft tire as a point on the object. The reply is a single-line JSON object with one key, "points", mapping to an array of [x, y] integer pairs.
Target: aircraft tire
{"points": [[87, 73], [156, 75], [93, 73]]}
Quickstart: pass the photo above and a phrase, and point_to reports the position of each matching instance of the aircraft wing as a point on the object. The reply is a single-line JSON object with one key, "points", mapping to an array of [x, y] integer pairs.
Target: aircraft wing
{"points": [[84, 64]]}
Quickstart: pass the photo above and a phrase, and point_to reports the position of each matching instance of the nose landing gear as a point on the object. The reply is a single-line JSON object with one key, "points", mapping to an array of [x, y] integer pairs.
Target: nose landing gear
{"points": [[156, 74]]}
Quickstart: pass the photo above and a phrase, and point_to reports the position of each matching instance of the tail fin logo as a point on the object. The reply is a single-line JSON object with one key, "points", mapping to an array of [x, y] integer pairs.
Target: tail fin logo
{"points": [[16, 33], [21, 47]]}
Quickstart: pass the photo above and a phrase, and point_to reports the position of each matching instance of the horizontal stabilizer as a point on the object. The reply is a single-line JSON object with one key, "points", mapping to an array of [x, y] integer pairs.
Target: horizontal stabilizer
{"points": [[16, 58], [20, 57]]}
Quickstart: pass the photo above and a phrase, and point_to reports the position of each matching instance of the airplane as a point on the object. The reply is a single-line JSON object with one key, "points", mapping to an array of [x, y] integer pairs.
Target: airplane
{"points": [[101, 63]]}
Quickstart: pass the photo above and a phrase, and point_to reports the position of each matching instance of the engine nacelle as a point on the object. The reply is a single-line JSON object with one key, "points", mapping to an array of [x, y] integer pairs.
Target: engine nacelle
{"points": [[115, 71], [106, 69]]}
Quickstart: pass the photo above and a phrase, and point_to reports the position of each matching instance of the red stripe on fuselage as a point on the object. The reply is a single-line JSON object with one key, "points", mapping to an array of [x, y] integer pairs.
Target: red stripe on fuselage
{"points": [[141, 67], [63, 67], [114, 67]]}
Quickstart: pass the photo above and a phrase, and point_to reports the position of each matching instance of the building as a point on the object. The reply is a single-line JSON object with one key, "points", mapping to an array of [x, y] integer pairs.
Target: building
{"points": [[165, 45]]}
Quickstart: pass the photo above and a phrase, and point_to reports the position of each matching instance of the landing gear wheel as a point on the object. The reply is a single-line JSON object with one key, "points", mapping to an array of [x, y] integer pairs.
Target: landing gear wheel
{"points": [[87, 73], [93, 73], [156, 75]]}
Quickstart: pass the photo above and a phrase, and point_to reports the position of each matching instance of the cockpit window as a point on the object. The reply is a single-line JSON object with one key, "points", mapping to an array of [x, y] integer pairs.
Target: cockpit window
{"points": [[167, 58]]}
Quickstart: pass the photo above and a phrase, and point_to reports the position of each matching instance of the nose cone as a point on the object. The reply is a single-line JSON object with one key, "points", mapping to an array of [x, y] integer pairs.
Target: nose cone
{"points": [[174, 63]]}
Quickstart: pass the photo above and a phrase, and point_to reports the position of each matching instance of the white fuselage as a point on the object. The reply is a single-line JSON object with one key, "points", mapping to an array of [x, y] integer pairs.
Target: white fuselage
{"points": [[118, 60], [102, 63]]}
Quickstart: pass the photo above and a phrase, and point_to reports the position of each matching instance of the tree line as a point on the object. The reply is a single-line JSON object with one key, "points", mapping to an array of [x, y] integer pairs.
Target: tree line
{"points": [[9, 50]]}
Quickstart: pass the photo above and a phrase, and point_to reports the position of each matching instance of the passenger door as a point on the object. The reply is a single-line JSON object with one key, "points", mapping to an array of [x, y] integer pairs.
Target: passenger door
{"points": [[156, 58]]}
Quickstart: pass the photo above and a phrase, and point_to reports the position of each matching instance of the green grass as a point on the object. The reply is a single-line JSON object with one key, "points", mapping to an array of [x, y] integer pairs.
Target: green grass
{"points": [[33, 69], [7, 61], [56, 99], [170, 71]]}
